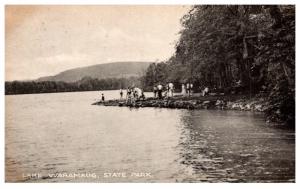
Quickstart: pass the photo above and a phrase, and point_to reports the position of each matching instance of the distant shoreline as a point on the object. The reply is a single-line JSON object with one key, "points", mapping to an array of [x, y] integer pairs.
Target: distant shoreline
{"points": [[58, 92]]}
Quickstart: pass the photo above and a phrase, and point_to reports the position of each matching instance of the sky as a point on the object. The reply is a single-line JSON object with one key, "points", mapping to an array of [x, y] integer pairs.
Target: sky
{"points": [[45, 40]]}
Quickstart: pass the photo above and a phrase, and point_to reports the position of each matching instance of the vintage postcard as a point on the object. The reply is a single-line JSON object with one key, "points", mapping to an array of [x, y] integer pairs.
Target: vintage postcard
{"points": [[150, 93]]}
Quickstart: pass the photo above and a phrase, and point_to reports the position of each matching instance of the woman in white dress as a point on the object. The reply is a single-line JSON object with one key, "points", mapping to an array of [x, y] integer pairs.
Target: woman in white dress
{"points": [[183, 91], [171, 89]]}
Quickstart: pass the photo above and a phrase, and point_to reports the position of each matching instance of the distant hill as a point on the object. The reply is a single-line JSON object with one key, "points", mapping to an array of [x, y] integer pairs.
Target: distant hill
{"points": [[100, 71]]}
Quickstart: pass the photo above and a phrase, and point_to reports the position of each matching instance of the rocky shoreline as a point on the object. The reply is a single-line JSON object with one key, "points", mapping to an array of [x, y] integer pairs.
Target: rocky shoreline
{"points": [[195, 102]]}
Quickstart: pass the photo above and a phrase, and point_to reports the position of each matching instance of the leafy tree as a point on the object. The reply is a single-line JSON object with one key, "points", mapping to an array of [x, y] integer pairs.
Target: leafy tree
{"points": [[220, 45]]}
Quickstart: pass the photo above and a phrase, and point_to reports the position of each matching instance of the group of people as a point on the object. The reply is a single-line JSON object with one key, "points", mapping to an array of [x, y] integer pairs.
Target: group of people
{"points": [[187, 89], [133, 94], [168, 92]]}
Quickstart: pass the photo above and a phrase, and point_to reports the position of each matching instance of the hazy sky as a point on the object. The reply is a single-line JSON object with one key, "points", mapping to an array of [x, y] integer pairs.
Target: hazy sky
{"points": [[45, 40]]}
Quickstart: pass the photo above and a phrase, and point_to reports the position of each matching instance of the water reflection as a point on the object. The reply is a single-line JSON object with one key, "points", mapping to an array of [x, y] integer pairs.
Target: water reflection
{"points": [[230, 146], [71, 136]]}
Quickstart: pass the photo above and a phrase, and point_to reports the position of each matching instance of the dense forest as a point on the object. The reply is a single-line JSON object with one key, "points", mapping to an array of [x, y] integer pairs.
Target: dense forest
{"points": [[85, 84], [221, 46]]}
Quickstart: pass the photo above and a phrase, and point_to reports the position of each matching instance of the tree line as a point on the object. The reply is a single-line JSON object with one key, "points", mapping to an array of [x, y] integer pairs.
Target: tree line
{"points": [[221, 45], [85, 84]]}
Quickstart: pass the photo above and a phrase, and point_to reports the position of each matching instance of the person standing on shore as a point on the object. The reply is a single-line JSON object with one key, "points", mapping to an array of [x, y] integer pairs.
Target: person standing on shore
{"points": [[167, 89], [171, 89], [128, 96], [159, 87], [205, 91], [155, 91], [102, 98], [183, 91], [121, 94], [188, 89]]}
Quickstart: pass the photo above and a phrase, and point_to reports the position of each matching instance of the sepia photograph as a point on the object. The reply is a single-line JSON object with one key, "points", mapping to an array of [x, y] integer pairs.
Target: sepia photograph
{"points": [[149, 93]]}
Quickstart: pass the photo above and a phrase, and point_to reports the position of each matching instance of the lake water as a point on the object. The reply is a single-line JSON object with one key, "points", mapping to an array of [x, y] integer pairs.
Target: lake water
{"points": [[61, 137]]}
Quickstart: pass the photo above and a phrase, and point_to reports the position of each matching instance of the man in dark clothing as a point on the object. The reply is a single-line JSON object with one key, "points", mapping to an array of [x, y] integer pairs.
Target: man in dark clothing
{"points": [[121, 93]]}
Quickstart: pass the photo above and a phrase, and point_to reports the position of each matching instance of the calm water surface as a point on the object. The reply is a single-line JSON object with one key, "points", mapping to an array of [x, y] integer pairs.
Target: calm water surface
{"points": [[62, 133]]}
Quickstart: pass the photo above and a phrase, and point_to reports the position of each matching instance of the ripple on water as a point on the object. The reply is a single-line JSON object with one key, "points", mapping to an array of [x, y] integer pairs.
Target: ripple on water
{"points": [[175, 145]]}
